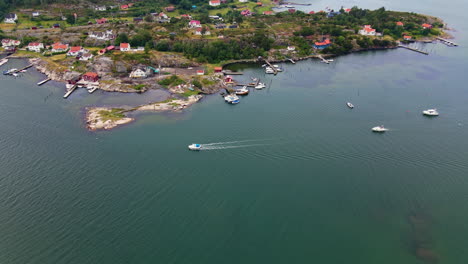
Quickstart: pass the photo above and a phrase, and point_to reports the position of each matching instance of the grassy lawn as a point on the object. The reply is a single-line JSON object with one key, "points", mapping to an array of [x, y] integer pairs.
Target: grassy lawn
{"points": [[113, 115]]}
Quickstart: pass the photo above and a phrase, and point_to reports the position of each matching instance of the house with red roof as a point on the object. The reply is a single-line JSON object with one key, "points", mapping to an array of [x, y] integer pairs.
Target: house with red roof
{"points": [[311, 12], [90, 77], [59, 47], [200, 72], [347, 10], [124, 7], [268, 13], [35, 46], [170, 9], [367, 31], [214, 2], [426, 26], [323, 44], [246, 12], [259, 4], [194, 24], [187, 16], [101, 21], [400, 24], [199, 31], [218, 69], [292, 10], [124, 47], [10, 43], [75, 51], [407, 37]]}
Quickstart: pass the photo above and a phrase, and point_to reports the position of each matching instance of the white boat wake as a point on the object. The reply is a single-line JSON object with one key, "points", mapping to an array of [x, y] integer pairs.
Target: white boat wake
{"points": [[220, 147], [233, 142]]}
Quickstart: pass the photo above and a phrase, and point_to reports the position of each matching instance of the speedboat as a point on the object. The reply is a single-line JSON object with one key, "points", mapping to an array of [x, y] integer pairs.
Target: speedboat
{"points": [[232, 99], [380, 129], [242, 91], [278, 68], [430, 112], [10, 71], [260, 86], [350, 105], [195, 147]]}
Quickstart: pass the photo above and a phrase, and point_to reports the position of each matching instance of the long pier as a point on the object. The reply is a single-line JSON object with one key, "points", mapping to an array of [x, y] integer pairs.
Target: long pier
{"points": [[24, 68], [413, 49], [44, 81], [292, 61], [275, 70], [447, 42], [70, 91], [323, 59]]}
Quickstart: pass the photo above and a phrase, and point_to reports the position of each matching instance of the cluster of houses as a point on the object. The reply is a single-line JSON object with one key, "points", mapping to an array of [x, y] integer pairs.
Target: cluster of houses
{"points": [[10, 44], [11, 18], [106, 35]]}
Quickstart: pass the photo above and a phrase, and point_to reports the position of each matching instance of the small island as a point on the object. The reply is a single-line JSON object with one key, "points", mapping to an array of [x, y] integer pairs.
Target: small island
{"points": [[137, 46]]}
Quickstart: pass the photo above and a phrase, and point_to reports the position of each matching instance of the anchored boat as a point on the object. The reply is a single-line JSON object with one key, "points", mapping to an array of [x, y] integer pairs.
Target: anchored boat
{"points": [[242, 91], [430, 112], [231, 99], [260, 86], [350, 105], [379, 129]]}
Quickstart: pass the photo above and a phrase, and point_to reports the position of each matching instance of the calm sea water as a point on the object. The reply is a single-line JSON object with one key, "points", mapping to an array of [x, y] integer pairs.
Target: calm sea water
{"points": [[291, 175]]}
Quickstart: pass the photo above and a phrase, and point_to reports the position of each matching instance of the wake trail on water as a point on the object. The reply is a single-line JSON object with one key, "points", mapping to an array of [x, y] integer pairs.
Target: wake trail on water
{"points": [[220, 147], [232, 142]]}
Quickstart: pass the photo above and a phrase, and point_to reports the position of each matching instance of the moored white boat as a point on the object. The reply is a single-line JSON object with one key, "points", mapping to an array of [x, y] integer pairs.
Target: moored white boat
{"points": [[3, 61], [195, 147], [380, 129], [269, 70], [242, 91], [232, 99], [430, 112], [350, 105], [260, 86]]}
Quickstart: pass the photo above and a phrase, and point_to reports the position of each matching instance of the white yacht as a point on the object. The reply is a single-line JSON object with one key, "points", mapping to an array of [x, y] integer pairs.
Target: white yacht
{"points": [[242, 91], [350, 105], [195, 147], [269, 70], [430, 112], [380, 129]]}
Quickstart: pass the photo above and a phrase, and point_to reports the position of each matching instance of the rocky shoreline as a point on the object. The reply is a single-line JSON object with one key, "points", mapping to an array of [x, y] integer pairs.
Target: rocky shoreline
{"points": [[106, 118]]}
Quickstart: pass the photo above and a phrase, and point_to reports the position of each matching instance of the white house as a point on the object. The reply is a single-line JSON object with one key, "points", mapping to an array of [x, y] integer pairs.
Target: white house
{"points": [[86, 57], [11, 18], [100, 8], [75, 51], [138, 73], [59, 47], [194, 24], [291, 48], [35, 14], [107, 35], [10, 43], [214, 2], [35, 46], [367, 31], [198, 32], [125, 47]]}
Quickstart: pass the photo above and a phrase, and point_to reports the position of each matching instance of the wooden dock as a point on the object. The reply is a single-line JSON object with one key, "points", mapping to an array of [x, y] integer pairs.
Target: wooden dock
{"points": [[292, 61], [227, 72], [24, 68], [44, 81], [275, 70], [448, 42], [70, 91], [413, 49], [250, 84], [323, 59]]}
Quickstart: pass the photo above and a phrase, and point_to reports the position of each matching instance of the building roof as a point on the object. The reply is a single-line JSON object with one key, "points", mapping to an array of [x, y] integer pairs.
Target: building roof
{"points": [[58, 46], [196, 22], [399, 23], [75, 49], [425, 25], [347, 10], [11, 16], [215, 2], [407, 37], [124, 45], [268, 12], [91, 74], [323, 43], [34, 44]]}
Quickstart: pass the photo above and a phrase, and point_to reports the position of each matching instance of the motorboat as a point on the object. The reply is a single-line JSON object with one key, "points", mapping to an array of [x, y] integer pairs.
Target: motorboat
{"points": [[3, 61], [195, 147], [232, 99], [260, 86], [269, 70], [430, 112], [10, 71], [278, 68], [350, 105], [379, 129], [242, 91]]}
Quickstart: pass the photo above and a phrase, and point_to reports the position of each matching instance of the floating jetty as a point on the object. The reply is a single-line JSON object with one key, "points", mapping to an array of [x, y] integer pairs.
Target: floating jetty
{"points": [[323, 59], [448, 42], [413, 49], [228, 72], [22, 69], [44, 81], [292, 61]]}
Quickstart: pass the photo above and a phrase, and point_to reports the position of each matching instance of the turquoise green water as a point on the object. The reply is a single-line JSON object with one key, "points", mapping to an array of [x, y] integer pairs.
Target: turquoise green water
{"points": [[305, 182]]}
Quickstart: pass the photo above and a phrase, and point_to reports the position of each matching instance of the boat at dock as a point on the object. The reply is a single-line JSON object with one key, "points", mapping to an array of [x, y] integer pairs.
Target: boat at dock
{"points": [[350, 105], [269, 70], [242, 91], [10, 71], [260, 86], [278, 68], [3, 61], [231, 99], [195, 147], [379, 129], [430, 112]]}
